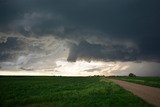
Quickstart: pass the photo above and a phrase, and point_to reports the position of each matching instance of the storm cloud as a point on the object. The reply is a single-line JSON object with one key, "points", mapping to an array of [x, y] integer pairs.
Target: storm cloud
{"points": [[106, 30], [111, 52]]}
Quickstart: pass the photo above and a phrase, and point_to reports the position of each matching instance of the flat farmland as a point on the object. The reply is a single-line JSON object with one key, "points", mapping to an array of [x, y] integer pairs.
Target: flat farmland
{"points": [[65, 92], [149, 81]]}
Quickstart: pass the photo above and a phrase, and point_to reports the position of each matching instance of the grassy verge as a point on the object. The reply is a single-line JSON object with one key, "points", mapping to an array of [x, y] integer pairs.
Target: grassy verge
{"points": [[65, 92], [149, 81]]}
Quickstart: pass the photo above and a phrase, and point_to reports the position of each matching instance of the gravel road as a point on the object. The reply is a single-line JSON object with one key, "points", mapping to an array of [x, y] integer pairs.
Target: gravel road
{"points": [[147, 93]]}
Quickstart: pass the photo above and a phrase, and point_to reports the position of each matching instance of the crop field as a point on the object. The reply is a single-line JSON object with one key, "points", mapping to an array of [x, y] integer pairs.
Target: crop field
{"points": [[65, 92], [149, 81]]}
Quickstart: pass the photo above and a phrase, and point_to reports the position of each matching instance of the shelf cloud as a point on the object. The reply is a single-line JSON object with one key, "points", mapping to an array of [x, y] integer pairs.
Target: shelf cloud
{"points": [[38, 31]]}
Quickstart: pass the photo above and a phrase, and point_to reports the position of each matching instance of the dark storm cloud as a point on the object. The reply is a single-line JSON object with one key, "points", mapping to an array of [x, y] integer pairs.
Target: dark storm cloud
{"points": [[13, 47], [90, 52], [136, 21], [11, 44]]}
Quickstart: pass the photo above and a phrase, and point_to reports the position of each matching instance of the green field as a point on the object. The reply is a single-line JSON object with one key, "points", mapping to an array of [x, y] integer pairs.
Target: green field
{"points": [[149, 81], [65, 92]]}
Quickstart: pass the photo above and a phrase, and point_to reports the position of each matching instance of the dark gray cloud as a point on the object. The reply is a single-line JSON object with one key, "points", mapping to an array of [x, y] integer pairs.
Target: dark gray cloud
{"points": [[90, 52], [13, 47], [101, 25], [11, 44]]}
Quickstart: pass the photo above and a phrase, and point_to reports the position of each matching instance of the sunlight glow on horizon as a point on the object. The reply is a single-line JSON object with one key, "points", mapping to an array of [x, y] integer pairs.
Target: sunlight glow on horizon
{"points": [[78, 68]]}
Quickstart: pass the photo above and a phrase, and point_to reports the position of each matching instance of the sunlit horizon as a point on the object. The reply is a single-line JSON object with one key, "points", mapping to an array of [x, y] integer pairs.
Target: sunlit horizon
{"points": [[78, 68]]}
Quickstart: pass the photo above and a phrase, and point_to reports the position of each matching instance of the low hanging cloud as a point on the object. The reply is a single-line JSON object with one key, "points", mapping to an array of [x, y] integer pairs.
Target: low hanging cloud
{"points": [[30, 52], [112, 52], [133, 21]]}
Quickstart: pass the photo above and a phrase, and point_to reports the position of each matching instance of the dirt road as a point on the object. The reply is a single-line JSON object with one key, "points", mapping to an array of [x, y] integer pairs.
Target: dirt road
{"points": [[149, 94]]}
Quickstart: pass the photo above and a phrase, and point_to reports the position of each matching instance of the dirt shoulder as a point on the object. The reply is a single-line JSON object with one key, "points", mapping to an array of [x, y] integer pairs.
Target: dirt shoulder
{"points": [[147, 93]]}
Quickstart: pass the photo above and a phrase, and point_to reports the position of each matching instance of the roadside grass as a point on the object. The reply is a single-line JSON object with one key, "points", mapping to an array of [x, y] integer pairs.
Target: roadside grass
{"points": [[149, 81], [65, 92]]}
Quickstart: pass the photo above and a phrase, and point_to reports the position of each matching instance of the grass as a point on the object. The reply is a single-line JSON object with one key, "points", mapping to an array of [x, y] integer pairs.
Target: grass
{"points": [[65, 92], [149, 81]]}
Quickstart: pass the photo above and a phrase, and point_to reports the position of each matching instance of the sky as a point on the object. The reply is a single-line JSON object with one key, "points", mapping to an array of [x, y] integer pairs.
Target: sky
{"points": [[80, 37]]}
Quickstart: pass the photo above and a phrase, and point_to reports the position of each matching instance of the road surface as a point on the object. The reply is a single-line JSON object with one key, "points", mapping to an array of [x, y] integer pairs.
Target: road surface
{"points": [[147, 93]]}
